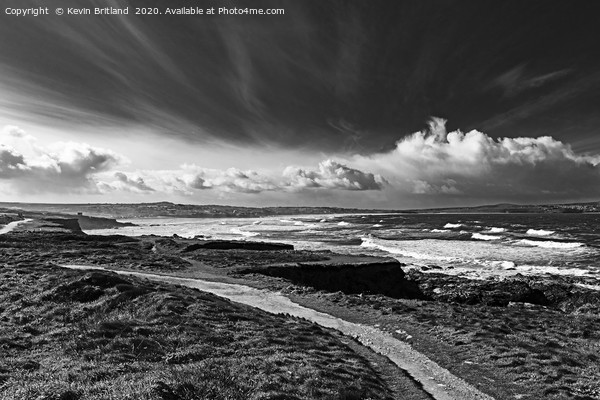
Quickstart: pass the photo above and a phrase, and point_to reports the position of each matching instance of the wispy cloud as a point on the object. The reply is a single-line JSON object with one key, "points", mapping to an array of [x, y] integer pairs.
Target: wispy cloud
{"points": [[516, 80]]}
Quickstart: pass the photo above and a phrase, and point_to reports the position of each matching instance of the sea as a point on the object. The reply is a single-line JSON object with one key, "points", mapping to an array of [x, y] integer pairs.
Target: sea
{"points": [[476, 246]]}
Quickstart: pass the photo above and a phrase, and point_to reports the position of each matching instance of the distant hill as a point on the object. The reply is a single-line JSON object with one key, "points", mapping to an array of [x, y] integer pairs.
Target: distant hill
{"points": [[522, 208], [167, 209]]}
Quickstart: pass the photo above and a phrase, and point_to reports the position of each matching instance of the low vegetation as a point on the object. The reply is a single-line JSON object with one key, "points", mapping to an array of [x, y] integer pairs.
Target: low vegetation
{"points": [[73, 335]]}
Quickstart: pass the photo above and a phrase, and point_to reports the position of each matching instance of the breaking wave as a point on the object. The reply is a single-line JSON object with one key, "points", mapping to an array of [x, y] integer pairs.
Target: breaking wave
{"points": [[539, 232], [390, 248], [549, 244], [479, 236], [449, 225], [238, 231]]}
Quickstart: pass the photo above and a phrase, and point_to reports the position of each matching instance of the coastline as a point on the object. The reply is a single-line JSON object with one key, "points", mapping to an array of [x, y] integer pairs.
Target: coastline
{"points": [[541, 351]]}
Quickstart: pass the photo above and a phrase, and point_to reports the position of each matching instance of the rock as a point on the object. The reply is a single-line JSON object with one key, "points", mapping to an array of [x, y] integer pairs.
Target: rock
{"points": [[68, 224], [90, 223], [239, 245], [547, 291], [376, 277]]}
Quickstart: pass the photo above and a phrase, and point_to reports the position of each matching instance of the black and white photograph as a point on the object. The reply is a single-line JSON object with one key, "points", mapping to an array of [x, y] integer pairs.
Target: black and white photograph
{"points": [[299, 200]]}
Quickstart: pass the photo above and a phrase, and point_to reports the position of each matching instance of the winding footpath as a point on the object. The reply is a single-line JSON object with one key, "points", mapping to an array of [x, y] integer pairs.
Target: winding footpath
{"points": [[435, 380], [12, 225]]}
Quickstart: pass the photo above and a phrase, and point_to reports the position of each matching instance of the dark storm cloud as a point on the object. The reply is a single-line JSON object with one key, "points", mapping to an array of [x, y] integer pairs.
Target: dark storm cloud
{"points": [[334, 75]]}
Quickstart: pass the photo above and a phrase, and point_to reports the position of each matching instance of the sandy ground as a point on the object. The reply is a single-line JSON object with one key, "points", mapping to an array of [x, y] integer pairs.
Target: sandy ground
{"points": [[435, 380]]}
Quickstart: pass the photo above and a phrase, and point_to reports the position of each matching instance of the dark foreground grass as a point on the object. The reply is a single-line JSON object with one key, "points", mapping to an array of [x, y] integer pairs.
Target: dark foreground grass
{"points": [[516, 352], [72, 335]]}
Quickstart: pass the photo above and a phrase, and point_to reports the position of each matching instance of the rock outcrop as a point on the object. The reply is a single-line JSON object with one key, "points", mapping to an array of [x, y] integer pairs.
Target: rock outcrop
{"points": [[369, 276], [551, 291], [236, 245], [89, 223]]}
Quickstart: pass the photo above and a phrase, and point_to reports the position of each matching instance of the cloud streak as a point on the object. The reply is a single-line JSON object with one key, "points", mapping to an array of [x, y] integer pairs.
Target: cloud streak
{"points": [[334, 76]]}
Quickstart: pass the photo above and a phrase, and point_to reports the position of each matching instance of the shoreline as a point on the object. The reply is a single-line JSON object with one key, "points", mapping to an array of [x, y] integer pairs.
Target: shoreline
{"points": [[477, 338]]}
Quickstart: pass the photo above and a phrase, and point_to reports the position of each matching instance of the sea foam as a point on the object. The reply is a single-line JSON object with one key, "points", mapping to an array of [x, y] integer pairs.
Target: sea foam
{"points": [[449, 225], [549, 244], [539, 232], [390, 248], [479, 236]]}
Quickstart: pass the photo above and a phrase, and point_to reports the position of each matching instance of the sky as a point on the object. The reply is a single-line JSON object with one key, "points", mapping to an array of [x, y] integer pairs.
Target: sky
{"points": [[371, 104]]}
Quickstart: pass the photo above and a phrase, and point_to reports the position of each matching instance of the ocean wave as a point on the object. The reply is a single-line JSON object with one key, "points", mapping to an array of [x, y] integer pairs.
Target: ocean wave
{"points": [[370, 243], [509, 265], [440, 230], [377, 226], [479, 236], [343, 223], [588, 286], [507, 268], [549, 244], [449, 225], [539, 232], [540, 269], [493, 229], [238, 231]]}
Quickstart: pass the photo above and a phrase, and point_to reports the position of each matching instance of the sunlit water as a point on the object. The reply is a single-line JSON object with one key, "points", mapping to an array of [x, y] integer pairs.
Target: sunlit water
{"points": [[475, 245]]}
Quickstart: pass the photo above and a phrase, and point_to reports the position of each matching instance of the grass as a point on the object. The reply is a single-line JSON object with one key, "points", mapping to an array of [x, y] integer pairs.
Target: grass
{"points": [[74, 335], [531, 352], [66, 336]]}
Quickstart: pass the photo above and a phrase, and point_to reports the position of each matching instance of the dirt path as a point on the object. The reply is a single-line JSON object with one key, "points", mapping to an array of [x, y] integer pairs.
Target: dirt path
{"points": [[438, 382], [12, 225]]}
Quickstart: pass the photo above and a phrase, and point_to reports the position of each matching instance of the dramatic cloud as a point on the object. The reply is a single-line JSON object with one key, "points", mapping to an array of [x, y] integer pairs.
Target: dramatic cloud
{"points": [[230, 180], [474, 165], [192, 179], [333, 175], [427, 168], [319, 76], [126, 183], [32, 168]]}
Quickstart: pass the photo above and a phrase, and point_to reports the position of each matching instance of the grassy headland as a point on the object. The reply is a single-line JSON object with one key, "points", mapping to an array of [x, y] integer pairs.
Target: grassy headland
{"points": [[73, 335], [94, 335]]}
